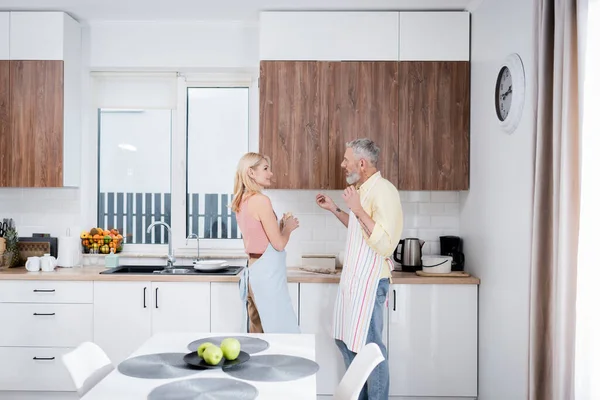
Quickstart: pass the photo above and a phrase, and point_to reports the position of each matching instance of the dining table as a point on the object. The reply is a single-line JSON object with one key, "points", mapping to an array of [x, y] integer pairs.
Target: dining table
{"points": [[277, 366]]}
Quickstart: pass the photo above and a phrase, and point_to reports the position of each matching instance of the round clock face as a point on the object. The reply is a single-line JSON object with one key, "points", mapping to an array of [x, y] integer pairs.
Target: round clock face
{"points": [[504, 93]]}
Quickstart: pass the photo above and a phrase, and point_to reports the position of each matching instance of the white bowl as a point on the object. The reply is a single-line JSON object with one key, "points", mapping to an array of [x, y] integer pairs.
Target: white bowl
{"points": [[437, 264], [210, 265]]}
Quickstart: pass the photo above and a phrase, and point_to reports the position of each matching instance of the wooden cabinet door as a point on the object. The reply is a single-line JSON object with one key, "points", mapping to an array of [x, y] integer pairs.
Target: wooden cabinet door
{"points": [[36, 124], [293, 122], [363, 103], [434, 125], [5, 136]]}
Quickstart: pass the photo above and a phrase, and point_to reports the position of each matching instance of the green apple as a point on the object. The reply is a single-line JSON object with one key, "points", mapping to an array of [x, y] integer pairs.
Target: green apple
{"points": [[202, 348], [212, 355], [230, 348]]}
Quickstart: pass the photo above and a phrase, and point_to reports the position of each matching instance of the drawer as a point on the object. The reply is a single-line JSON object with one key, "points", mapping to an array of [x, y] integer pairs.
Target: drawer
{"points": [[46, 325], [46, 292], [26, 368]]}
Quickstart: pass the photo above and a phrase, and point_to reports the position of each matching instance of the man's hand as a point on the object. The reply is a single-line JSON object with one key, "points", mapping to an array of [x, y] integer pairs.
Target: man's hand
{"points": [[352, 199], [326, 203]]}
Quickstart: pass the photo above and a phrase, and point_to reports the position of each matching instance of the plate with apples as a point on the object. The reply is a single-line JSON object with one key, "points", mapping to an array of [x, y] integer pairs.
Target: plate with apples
{"points": [[211, 356]]}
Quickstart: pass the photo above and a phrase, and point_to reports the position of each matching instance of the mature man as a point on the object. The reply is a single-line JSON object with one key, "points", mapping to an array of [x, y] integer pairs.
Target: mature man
{"points": [[374, 229]]}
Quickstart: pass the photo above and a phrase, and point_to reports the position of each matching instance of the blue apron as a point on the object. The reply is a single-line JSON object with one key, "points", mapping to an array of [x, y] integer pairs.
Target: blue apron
{"points": [[268, 278]]}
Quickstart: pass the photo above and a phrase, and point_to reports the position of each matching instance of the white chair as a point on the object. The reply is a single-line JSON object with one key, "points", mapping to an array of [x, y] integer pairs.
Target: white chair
{"points": [[361, 367], [88, 364]]}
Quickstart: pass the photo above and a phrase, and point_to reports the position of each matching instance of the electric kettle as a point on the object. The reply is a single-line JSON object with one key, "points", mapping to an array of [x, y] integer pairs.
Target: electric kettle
{"points": [[410, 254]]}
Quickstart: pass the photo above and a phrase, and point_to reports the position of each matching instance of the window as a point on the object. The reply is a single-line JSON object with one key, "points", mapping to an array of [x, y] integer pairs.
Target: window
{"points": [[168, 149], [134, 170], [217, 136]]}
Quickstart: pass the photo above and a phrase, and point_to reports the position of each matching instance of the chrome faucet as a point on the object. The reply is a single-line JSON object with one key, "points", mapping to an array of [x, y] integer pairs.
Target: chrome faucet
{"points": [[194, 236], [170, 255]]}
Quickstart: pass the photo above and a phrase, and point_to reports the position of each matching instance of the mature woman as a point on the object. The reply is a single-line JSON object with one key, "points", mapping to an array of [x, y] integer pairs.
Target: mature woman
{"points": [[264, 284]]}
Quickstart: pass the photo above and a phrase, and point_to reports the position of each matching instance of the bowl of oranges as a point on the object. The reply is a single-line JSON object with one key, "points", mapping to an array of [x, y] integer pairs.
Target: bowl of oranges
{"points": [[101, 241]]}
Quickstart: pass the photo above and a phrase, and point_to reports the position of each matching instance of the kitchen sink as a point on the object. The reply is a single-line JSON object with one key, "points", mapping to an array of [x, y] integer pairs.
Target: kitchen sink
{"points": [[161, 270], [137, 269]]}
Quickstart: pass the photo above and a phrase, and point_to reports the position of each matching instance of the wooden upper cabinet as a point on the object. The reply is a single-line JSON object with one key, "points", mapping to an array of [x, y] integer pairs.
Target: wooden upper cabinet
{"points": [[363, 104], [36, 124], [41, 132], [293, 122], [434, 125], [5, 138]]}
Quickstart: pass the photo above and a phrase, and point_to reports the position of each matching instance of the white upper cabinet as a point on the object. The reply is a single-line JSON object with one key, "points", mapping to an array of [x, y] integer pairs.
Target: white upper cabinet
{"points": [[329, 36], [434, 36], [41, 35], [4, 35]]}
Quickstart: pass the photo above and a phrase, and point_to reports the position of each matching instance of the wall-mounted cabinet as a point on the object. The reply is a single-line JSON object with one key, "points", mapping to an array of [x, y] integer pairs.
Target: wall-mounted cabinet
{"points": [[399, 78], [434, 125], [363, 102], [434, 36], [293, 110], [40, 87], [417, 112], [340, 35], [4, 35]]}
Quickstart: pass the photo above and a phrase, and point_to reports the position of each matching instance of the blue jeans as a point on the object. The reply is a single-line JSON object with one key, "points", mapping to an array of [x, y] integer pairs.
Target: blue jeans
{"points": [[378, 383]]}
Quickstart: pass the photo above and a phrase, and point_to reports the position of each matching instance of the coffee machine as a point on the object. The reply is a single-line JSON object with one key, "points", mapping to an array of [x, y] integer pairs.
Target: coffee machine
{"points": [[452, 246]]}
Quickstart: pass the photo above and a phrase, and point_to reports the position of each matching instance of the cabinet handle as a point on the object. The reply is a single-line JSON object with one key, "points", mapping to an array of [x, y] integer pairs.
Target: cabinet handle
{"points": [[43, 358], [394, 299], [44, 313], [156, 298], [44, 290], [145, 297]]}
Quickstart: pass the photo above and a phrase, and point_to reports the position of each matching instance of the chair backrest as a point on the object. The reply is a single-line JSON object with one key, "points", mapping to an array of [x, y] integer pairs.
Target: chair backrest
{"points": [[361, 367], [88, 364]]}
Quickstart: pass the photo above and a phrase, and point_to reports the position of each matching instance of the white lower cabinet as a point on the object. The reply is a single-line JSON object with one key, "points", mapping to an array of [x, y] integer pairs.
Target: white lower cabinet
{"points": [[316, 316], [42, 320], [122, 317], [34, 369], [226, 309], [180, 307], [126, 314], [430, 330], [433, 340]]}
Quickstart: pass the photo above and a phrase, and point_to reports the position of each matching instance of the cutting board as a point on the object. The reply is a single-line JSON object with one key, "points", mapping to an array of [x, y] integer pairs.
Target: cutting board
{"points": [[454, 274]]}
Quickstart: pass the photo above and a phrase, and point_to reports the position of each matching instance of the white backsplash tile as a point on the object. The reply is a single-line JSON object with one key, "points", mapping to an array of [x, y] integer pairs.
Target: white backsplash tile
{"points": [[427, 215], [444, 197]]}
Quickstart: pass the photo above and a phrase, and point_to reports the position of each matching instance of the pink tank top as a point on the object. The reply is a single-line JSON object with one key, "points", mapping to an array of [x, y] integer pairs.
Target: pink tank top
{"points": [[253, 233]]}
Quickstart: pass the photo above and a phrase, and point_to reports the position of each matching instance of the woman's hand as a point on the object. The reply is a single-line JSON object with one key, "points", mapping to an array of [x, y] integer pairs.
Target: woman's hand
{"points": [[290, 223]]}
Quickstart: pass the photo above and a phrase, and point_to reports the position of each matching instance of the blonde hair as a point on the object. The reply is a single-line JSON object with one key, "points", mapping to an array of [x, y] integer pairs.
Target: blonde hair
{"points": [[243, 183]]}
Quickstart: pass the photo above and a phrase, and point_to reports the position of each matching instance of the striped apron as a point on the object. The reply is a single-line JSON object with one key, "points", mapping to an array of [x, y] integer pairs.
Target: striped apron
{"points": [[358, 287]]}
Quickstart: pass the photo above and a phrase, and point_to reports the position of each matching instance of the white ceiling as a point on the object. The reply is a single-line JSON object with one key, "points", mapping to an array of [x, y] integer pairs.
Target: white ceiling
{"points": [[237, 10]]}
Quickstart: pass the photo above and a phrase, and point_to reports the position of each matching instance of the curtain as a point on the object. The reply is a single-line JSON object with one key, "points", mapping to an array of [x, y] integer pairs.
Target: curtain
{"points": [[587, 355], [556, 203]]}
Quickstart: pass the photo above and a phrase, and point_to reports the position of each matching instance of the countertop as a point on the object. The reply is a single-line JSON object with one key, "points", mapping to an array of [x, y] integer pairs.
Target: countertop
{"points": [[295, 275]]}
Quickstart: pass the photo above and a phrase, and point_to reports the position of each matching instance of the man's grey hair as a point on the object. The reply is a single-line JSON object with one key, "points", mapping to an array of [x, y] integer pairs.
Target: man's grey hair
{"points": [[365, 148]]}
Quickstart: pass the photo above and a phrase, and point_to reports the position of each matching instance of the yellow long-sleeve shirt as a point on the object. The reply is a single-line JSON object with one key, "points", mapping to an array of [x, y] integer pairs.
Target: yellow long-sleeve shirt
{"points": [[381, 201]]}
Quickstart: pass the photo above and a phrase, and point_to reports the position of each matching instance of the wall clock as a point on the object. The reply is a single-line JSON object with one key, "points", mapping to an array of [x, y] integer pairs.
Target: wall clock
{"points": [[509, 94]]}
